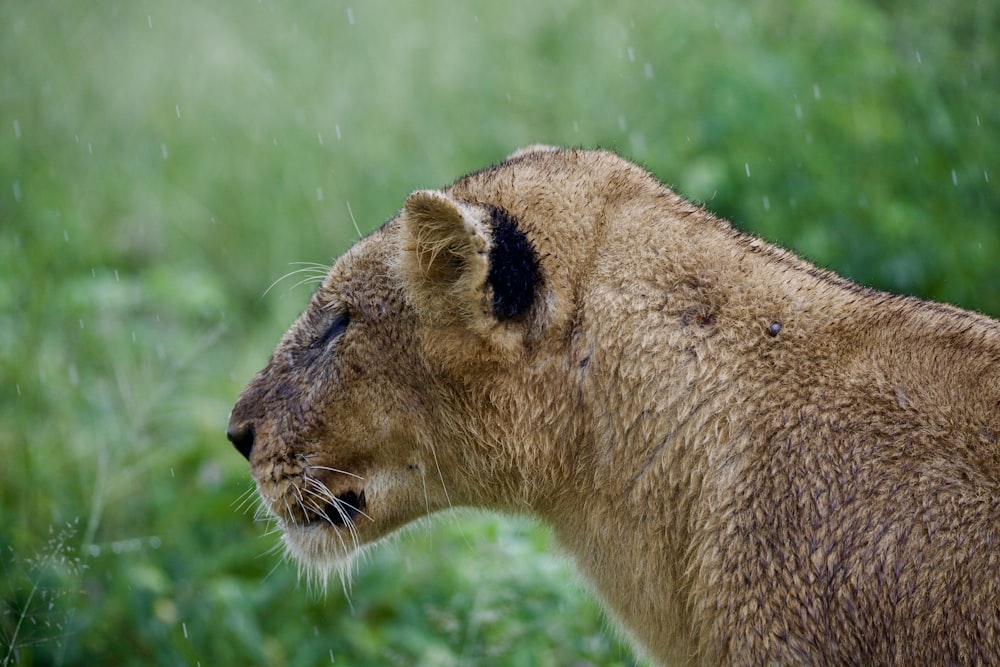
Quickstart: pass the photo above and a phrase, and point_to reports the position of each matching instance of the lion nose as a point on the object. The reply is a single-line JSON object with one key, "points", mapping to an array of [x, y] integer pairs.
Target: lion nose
{"points": [[242, 435]]}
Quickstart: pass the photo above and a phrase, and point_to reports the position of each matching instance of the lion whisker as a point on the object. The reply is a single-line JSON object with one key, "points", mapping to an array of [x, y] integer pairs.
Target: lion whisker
{"points": [[350, 212], [318, 270], [324, 494], [427, 498], [444, 487], [314, 280], [263, 514], [246, 500], [321, 512], [321, 491], [337, 470]]}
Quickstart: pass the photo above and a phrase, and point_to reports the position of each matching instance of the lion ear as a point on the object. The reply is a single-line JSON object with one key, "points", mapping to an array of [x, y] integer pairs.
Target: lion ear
{"points": [[465, 262]]}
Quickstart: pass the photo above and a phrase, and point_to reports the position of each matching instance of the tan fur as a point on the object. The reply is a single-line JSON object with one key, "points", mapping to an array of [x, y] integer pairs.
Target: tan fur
{"points": [[752, 460]]}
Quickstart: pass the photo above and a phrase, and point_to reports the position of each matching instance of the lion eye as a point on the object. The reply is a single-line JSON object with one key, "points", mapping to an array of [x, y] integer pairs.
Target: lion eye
{"points": [[336, 327]]}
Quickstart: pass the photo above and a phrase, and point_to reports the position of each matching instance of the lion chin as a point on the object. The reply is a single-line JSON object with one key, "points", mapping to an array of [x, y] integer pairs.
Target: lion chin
{"points": [[321, 528], [321, 552]]}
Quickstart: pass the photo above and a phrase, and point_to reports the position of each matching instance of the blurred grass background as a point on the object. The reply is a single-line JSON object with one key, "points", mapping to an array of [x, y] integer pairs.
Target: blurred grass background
{"points": [[162, 163]]}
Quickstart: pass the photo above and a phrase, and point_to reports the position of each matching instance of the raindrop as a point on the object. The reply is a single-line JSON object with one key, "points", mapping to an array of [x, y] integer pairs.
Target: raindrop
{"points": [[163, 151], [66, 236], [81, 322], [94, 550], [93, 272], [638, 141], [319, 136], [747, 165], [117, 279], [621, 122], [767, 203], [816, 91], [74, 375], [920, 60], [350, 15], [90, 148], [319, 194], [648, 69], [171, 471], [177, 108], [954, 177], [331, 657], [631, 54], [17, 191], [576, 127], [149, 20], [17, 129], [798, 111], [986, 176], [978, 123], [184, 627], [133, 336], [17, 387], [337, 129]]}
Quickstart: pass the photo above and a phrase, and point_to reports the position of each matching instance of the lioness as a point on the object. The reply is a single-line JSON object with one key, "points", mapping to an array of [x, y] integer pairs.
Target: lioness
{"points": [[751, 459]]}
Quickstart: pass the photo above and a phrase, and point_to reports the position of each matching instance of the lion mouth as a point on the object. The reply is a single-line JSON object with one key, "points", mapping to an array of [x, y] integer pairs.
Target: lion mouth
{"points": [[339, 510]]}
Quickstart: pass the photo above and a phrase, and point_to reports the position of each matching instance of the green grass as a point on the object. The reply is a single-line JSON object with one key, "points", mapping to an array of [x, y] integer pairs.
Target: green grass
{"points": [[162, 163]]}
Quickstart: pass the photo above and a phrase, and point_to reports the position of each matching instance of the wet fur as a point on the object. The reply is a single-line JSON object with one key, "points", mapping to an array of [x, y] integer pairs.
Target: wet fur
{"points": [[752, 460]]}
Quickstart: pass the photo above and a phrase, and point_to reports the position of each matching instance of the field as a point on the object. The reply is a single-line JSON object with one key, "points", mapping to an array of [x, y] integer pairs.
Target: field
{"points": [[163, 163]]}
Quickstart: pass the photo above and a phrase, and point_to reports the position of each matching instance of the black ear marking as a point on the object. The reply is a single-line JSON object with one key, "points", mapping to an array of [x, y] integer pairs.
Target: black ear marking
{"points": [[514, 271]]}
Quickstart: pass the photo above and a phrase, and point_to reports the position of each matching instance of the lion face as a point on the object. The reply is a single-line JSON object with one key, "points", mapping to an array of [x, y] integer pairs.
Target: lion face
{"points": [[333, 442], [370, 412]]}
